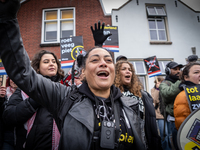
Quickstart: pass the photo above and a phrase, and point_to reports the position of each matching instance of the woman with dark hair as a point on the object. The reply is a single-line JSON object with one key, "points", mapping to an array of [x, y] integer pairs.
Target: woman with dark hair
{"points": [[37, 61], [93, 121], [190, 76], [31, 118], [129, 84]]}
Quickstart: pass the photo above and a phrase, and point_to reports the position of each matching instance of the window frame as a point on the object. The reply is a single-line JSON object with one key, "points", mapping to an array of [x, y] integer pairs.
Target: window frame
{"points": [[157, 30], [145, 75], [158, 17], [140, 75], [58, 20], [162, 61], [155, 8]]}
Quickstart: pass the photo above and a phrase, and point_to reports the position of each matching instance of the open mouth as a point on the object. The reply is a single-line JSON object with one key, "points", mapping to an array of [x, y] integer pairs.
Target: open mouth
{"points": [[127, 76], [102, 74]]}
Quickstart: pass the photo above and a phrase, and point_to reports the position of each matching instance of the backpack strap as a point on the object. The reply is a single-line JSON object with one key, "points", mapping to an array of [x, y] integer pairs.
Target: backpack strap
{"points": [[117, 121], [67, 104]]}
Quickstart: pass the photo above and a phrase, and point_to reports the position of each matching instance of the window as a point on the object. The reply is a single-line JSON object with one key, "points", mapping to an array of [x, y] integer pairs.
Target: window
{"points": [[140, 70], [162, 65], [57, 23], [157, 23]]}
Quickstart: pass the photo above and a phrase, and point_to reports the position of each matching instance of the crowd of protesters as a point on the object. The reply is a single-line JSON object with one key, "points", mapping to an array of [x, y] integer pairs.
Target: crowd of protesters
{"points": [[104, 107]]}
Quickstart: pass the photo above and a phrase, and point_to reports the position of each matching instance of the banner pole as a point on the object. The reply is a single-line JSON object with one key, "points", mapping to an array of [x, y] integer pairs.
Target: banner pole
{"points": [[156, 79], [4, 81]]}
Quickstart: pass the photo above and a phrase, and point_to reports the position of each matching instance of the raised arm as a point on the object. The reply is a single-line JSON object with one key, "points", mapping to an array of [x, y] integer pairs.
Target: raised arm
{"points": [[17, 64]]}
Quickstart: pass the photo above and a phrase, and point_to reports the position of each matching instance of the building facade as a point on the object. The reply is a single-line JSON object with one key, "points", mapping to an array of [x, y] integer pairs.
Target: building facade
{"points": [[43, 22], [169, 30]]}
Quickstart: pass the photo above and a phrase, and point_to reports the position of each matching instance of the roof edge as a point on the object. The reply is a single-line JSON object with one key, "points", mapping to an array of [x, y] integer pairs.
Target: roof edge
{"points": [[109, 14], [188, 6], [122, 5]]}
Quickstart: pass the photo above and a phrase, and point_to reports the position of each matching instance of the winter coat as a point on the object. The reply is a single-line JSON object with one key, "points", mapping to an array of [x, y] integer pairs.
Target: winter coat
{"points": [[78, 125], [151, 132], [156, 101], [18, 112], [2, 100], [168, 94], [181, 109], [181, 105]]}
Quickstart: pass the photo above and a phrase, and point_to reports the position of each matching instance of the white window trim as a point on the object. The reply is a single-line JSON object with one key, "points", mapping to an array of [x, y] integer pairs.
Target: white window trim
{"points": [[163, 65], [155, 8], [58, 23], [158, 29], [168, 41], [134, 65]]}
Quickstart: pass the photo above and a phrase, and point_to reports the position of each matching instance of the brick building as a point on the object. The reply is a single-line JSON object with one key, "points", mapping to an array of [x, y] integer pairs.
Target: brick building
{"points": [[43, 22]]}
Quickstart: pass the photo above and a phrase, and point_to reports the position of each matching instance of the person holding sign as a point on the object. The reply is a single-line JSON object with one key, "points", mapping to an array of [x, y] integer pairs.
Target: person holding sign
{"points": [[129, 84], [93, 122], [190, 77]]}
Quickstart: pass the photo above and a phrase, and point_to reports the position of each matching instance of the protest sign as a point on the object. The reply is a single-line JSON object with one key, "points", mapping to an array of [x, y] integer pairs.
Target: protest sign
{"points": [[152, 66], [70, 48], [188, 137], [2, 69], [111, 43], [193, 96]]}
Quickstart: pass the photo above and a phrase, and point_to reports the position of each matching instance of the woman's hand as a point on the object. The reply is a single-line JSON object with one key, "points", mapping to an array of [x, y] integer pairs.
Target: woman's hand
{"points": [[2, 91], [98, 34], [9, 9]]}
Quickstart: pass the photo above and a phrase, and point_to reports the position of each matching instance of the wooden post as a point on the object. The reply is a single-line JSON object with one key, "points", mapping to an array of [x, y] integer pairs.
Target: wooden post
{"points": [[156, 79], [4, 80]]}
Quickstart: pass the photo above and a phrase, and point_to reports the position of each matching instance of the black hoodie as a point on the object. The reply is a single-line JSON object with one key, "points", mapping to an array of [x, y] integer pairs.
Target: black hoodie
{"points": [[126, 138]]}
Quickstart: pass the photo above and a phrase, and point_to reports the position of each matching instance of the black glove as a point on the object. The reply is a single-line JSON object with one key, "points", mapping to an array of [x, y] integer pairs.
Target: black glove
{"points": [[9, 9], [98, 35]]}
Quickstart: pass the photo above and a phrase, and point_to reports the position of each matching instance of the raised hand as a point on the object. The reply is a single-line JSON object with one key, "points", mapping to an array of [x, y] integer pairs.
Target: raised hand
{"points": [[2, 91], [9, 9], [98, 35]]}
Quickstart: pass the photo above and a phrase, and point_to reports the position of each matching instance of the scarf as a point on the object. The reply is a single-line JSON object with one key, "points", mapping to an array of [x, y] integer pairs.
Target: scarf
{"points": [[9, 91], [55, 132], [172, 78]]}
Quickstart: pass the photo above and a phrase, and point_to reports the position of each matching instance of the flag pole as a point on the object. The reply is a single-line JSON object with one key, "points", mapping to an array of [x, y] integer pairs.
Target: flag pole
{"points": [[156, 79], [4, 81]]}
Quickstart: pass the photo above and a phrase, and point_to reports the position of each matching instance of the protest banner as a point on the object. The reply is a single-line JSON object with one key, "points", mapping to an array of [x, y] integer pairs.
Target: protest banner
{"points": [[188, 137], [193, 96], [70, 48], [152, 66], [111, 43], [2, 69]]}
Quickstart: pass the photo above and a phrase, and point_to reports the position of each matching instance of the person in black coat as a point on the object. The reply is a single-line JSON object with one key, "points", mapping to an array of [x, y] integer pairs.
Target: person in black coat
{"points": [[97, 92], [130, 86], [20, 109], [2, 101]]}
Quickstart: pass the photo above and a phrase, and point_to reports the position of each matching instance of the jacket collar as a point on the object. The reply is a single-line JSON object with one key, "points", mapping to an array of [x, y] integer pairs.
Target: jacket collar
{"points": [[84, 113]]}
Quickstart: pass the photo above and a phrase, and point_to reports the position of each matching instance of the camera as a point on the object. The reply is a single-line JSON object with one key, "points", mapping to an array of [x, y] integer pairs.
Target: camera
{"points": [[107, 134]]}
